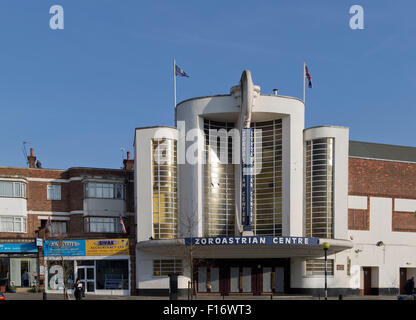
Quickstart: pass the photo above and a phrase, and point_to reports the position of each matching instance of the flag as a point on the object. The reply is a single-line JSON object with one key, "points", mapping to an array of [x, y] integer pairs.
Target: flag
{"points": [[123, 227], [308, 76], [180, 72], [48, 225]]}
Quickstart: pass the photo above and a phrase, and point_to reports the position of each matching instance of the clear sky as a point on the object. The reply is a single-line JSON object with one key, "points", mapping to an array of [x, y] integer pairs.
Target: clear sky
{"points": [[77, 94]]}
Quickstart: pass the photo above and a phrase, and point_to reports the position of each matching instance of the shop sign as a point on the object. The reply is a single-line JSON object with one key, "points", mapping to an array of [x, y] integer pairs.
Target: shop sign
{"points": [[18, 247], [247, 180], [64, 248], [107, 247], [39, 242], [256, 240], [42, 270], [94, 247]]}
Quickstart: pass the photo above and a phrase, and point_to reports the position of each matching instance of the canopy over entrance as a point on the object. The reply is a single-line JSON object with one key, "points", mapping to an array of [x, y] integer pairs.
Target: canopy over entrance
{"points": [[244, 247]]}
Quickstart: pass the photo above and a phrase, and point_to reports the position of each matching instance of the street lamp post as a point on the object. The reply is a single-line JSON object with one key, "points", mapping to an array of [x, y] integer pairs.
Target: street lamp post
{"points": [[325, 245]]}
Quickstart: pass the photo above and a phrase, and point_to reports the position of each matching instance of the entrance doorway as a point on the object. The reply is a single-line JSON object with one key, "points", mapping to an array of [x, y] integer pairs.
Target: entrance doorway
{"points": [[242, 277], [406, 274], [367, 281], [86, 274], [24, 271], [403, 279]]}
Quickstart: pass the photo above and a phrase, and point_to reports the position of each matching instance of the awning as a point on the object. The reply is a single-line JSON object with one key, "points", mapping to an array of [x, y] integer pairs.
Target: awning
{"points": [[178, 247]]}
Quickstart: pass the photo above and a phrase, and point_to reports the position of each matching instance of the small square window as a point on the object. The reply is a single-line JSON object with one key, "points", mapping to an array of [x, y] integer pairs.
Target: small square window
{"points": [[54, 192]]}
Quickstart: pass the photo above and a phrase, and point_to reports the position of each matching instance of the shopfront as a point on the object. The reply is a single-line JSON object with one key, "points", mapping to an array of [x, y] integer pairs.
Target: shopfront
{"points": [[18, 263], [103, 265]]}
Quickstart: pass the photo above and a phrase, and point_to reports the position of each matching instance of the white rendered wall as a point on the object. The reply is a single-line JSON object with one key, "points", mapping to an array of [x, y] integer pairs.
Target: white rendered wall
{"points": [[398, 249], [405, 205], [143, 177], [144, 273], [104, 207], [357, 202], [13, 207], [299, 279]]}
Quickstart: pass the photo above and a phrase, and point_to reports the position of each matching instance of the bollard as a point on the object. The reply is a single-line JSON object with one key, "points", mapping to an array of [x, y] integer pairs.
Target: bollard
{"points": [[340, 297], [44, 296]]}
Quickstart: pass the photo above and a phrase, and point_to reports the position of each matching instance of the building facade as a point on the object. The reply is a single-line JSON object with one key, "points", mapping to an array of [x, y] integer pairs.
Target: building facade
{"points": [[47, 215], [225, 230], [238, 198]]}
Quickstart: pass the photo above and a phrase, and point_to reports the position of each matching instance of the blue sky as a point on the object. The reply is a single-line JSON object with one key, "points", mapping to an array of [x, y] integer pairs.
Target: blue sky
{"points": [[77, 94]]}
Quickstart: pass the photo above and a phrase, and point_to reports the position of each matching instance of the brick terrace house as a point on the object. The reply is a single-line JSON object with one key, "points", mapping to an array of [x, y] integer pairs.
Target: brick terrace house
{"points": [[78, 214]]}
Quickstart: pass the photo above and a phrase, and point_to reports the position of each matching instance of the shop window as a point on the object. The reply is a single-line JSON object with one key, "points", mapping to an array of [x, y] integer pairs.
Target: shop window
{"points": [[23, 271], [167, 267], [112, 274], [12, 224], [54, 192], [11, 189], [102, 224], [316, 267], [60, 273], [104, 190], [4, 271], [81, 263]]}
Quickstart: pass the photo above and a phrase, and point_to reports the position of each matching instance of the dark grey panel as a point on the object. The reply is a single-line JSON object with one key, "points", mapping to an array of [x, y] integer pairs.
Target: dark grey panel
{"points": [[382, 151]]}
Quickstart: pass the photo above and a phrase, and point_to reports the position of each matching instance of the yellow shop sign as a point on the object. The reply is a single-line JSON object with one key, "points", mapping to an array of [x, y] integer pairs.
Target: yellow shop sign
{"points": [[107, 247]]}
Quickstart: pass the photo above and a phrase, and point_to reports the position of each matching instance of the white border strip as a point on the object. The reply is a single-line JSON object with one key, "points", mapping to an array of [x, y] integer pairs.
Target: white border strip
{"points": [[54, 180], [54, 218], [377, 159]]}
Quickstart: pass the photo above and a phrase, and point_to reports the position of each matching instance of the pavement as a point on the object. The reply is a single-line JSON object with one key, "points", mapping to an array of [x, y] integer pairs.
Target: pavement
{"points": [[57, 296]]}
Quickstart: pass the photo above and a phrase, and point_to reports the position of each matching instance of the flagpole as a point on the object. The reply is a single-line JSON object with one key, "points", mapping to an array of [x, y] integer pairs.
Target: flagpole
{"points": [[174, 81], [174, 88], [304, 80]]}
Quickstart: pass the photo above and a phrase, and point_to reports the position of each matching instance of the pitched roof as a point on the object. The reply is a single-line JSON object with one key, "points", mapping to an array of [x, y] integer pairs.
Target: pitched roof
{"points": [[380, 151]]}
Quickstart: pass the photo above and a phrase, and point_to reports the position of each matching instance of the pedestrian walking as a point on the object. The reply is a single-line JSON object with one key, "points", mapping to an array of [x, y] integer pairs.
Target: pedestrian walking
{"points": [[409, 287], [78, 289]]}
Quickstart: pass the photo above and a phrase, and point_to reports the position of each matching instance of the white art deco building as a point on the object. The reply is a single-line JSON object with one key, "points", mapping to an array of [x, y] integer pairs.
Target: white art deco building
{"points": [[197, 213]]}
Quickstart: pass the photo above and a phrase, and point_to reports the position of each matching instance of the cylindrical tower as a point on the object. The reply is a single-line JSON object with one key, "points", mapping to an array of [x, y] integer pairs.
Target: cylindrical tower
{"points": [[210, 178]]}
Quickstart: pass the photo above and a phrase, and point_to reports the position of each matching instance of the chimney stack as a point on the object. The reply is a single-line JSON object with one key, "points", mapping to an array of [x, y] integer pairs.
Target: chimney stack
{"points": [[31, 159], [128, 163]]}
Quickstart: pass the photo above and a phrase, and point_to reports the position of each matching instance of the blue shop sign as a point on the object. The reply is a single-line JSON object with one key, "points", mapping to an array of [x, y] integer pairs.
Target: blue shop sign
{"points": [[18, 247], [64, 248], [253, 240]]}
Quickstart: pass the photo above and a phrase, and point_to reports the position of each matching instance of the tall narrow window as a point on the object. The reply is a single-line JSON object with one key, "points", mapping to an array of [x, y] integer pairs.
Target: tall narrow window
{"points": [[219, 186], [165, 203], [268, 182], [319, 182]]}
